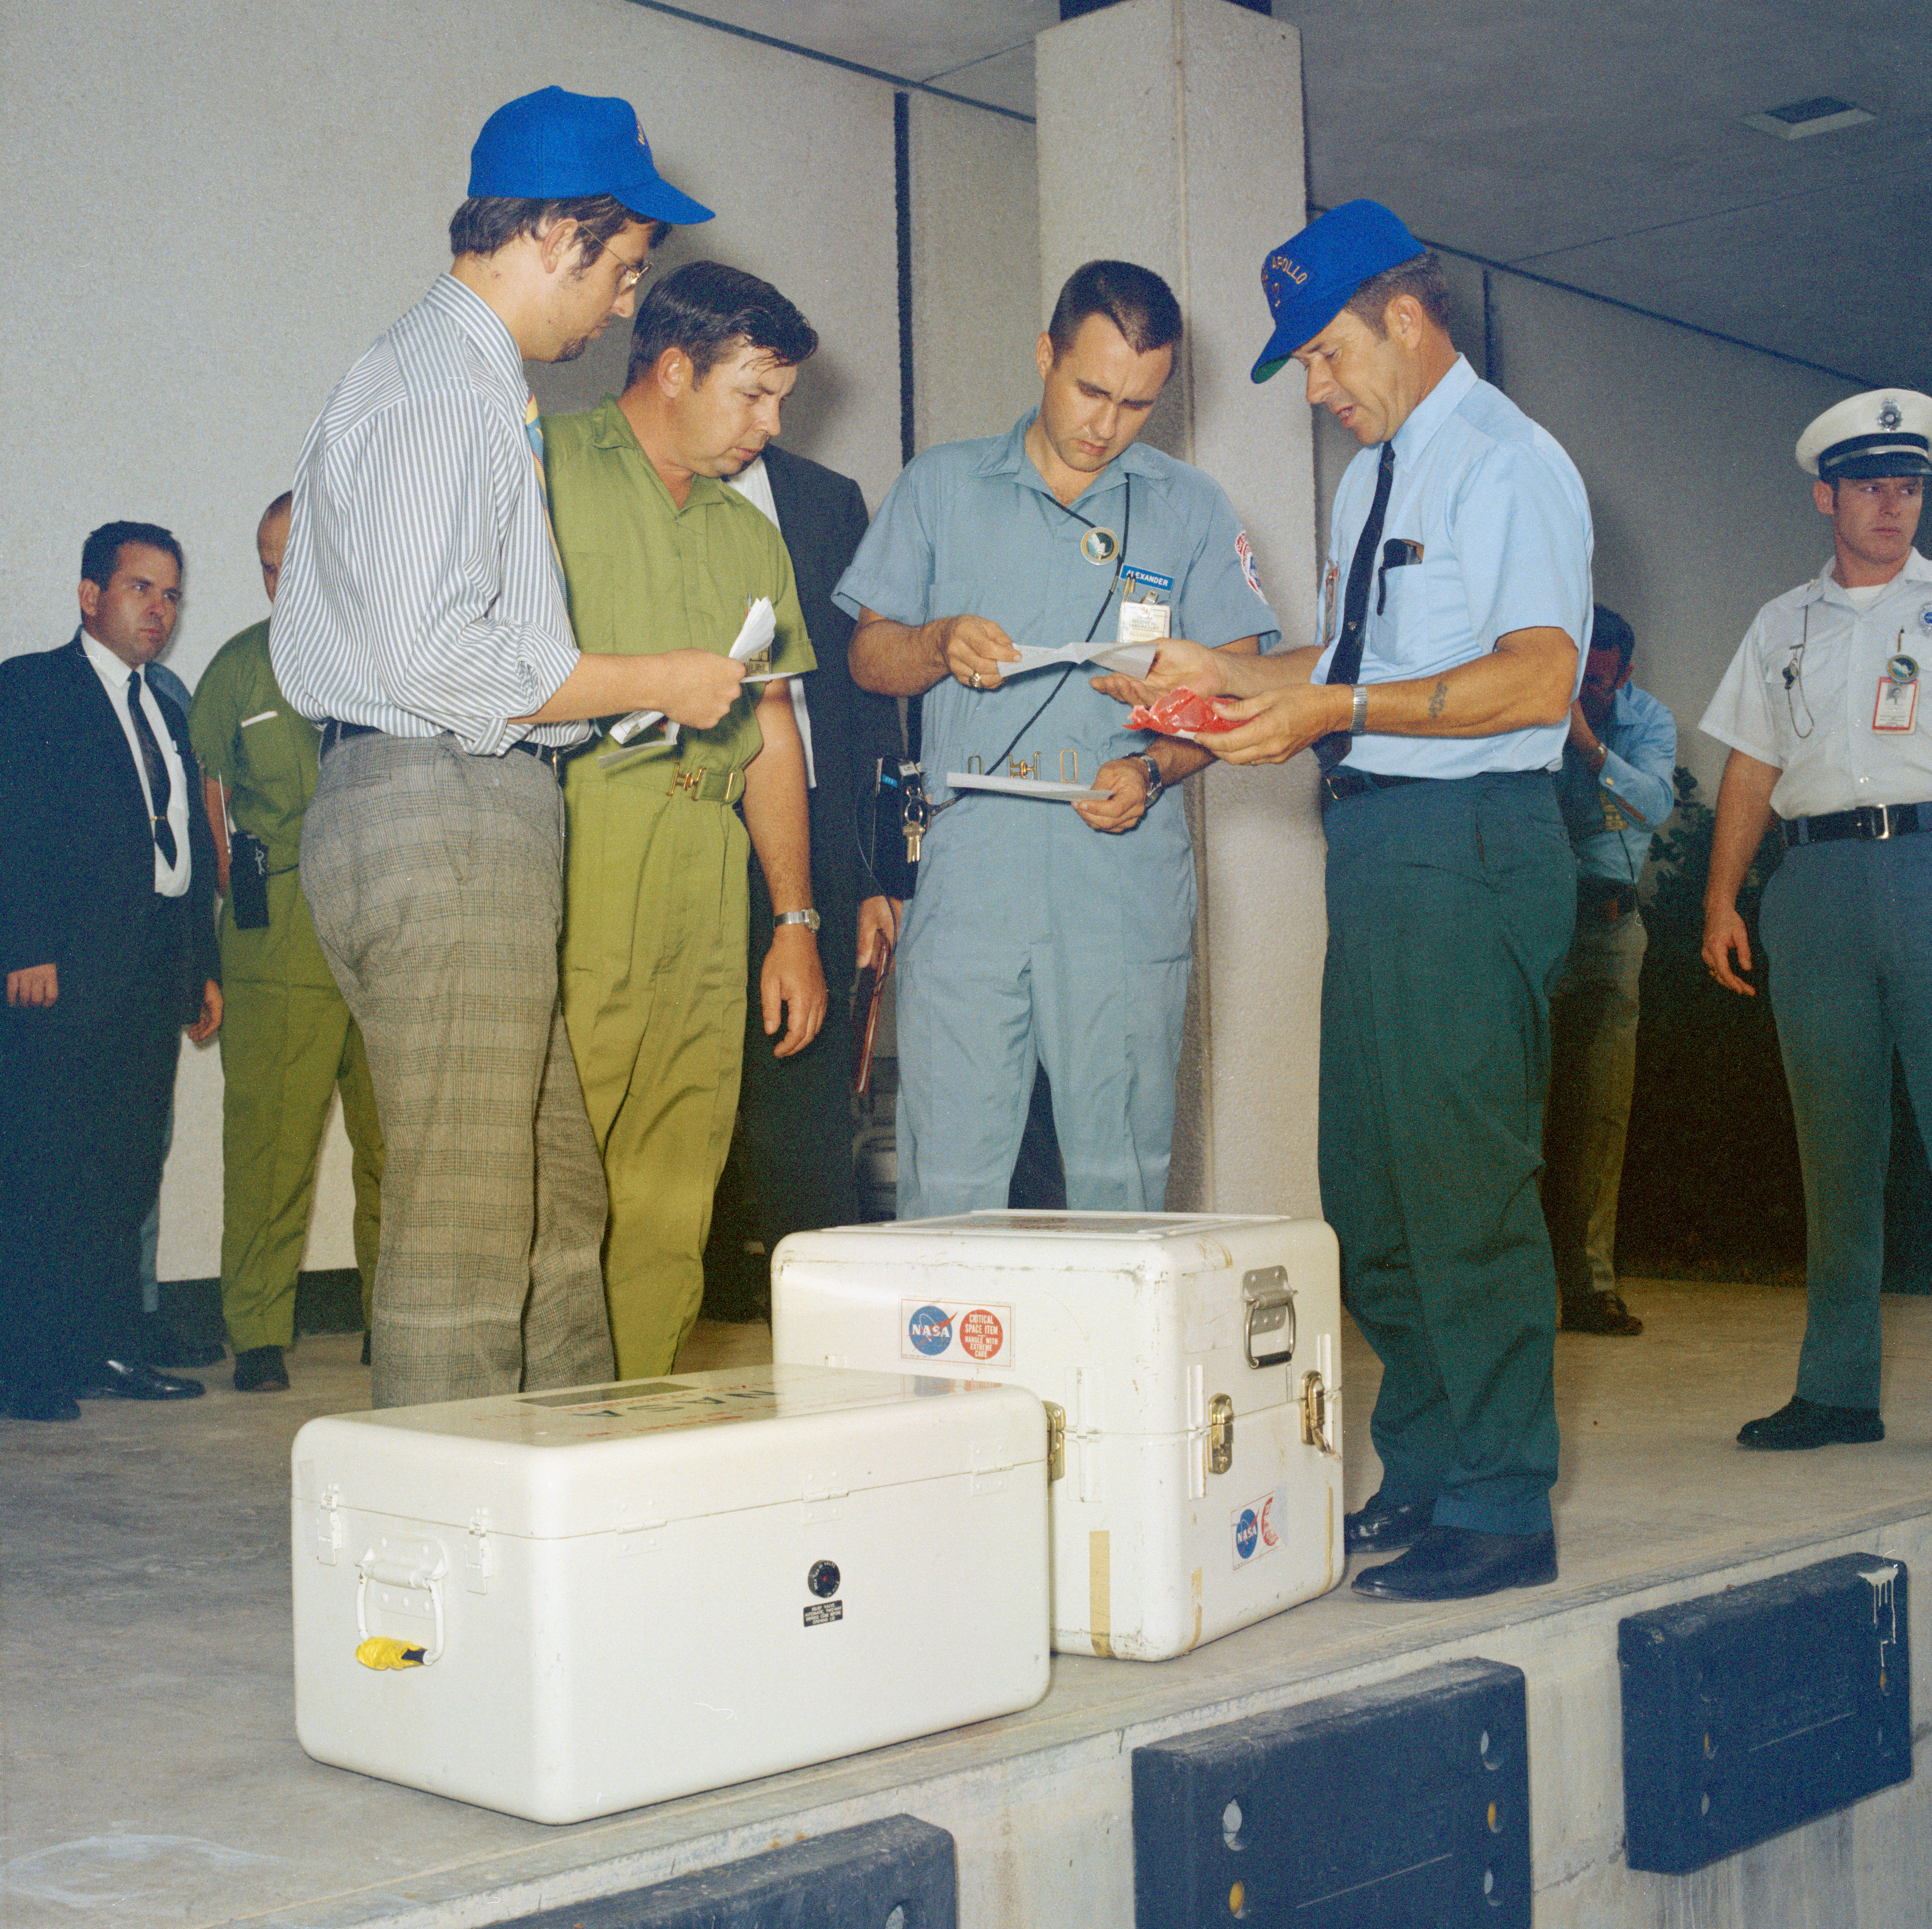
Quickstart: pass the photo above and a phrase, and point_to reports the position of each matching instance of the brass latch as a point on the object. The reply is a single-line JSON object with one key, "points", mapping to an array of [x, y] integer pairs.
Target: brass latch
{"points": [[1314, 1413], [1220, 1434], [1271, 1311], [1056, 1441]]}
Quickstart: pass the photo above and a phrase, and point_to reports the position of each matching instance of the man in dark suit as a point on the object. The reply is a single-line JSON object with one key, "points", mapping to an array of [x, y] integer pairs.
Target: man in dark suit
{"points": [[794, 1156], [107, 943]]}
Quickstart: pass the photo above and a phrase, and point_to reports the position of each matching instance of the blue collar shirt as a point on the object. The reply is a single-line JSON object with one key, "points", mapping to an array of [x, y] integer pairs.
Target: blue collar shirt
{"points": [[1497, 526]]}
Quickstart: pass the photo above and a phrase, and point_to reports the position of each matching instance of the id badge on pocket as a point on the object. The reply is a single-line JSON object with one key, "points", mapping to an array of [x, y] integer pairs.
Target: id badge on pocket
{"points": [[1896, 706]]}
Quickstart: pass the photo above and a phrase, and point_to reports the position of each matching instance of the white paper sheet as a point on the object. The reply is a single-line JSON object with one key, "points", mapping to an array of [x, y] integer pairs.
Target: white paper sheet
{"points": [[760, 626], [1043, 789], [1132, 659]]}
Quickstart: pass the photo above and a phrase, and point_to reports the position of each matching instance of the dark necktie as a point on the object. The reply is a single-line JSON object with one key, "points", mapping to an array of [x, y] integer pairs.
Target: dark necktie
{"points": [[1345, 666], [160, 792]]}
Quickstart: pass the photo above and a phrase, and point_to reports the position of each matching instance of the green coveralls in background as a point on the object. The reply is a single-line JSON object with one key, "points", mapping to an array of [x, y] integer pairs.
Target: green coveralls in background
{"points": [[654, 933], [287, 1040]]}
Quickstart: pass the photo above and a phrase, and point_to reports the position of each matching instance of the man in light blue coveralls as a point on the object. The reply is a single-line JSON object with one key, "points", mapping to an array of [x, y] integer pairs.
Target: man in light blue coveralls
{"points": [[1040, 934], [1436, 698]]}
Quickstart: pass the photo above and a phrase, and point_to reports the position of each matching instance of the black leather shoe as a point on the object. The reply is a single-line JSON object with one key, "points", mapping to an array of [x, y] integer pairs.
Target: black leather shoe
{"points": [[259, 1369], [128, 1379], [1803, 1423], [43, 1403], [1383, 1526], [1600, 1312], [1456, 1563]]}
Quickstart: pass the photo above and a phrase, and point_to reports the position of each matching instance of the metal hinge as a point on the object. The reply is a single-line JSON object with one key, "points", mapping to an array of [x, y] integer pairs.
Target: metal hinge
{"points": [[328, 1526], [1220, 1434], [1056, 1441], [1271, 1311], [479, 1562]]}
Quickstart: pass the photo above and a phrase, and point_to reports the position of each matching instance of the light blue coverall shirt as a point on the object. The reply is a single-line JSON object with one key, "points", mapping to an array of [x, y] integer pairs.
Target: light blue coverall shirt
{"points": [[1034, 938]]}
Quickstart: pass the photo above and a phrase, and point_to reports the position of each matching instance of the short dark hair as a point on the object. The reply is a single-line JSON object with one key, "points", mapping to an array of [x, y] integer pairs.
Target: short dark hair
{"points": [[703, 308], [485, 222], [101, 554], [1422, 277], [1135, 299], [1609, 632]]}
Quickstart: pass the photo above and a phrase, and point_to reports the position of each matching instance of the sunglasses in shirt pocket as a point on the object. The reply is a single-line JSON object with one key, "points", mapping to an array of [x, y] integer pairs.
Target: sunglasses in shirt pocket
{"points": [[1398, 553]]}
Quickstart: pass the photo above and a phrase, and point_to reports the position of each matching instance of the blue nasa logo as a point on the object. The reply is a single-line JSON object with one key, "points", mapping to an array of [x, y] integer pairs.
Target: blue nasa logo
{"points": [[1247, 1531], [1925, 619], [930, 1331]]}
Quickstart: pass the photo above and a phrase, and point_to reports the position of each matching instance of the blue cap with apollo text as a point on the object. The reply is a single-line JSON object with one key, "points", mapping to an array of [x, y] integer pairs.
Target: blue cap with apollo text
{"points": [[1309, 279], [552, 146]]}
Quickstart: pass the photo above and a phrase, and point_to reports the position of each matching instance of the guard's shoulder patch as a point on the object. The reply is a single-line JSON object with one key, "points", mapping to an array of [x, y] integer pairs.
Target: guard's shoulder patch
{"points": [[1245, 549]]}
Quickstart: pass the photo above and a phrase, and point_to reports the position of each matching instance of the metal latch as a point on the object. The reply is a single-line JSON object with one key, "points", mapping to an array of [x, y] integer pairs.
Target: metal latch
{"points": [[1270, 1311], [1056, 1441], [1314, 1413], [1220, 1434]]}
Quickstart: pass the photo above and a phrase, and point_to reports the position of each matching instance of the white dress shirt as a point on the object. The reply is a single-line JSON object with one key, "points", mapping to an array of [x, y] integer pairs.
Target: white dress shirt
{"points": [[754, 482], [171, 880]]}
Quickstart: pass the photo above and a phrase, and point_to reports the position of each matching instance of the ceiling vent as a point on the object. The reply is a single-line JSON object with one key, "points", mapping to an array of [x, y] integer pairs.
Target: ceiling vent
{"points": [[1798, 120]]}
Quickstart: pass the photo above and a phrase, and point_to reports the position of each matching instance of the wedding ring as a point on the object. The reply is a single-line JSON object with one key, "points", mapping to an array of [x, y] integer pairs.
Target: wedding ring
{"points": [[977, 684]]}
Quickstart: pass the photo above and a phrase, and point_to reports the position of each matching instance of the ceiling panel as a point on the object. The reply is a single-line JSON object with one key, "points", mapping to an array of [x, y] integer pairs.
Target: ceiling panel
{"points": [[1597, 146]]}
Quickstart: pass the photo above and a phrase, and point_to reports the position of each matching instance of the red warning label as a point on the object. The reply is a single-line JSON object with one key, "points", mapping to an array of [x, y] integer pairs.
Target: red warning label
{"points": [[981, 1333]]}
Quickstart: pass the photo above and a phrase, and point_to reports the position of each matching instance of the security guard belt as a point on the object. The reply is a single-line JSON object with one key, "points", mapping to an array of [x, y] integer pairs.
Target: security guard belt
{"points": [[1869, 823]]}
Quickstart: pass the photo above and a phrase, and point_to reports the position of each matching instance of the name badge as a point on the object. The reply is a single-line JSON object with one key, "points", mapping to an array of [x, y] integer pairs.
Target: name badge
{"points": [[1897, 703], [1161, 586], [1144, 620]]}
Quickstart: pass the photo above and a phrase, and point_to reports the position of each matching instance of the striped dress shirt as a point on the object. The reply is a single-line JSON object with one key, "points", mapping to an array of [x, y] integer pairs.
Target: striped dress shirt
{"points": [[419, 594]]}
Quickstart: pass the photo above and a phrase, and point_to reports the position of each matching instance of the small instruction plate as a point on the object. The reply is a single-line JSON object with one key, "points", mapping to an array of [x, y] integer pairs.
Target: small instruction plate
{"points": [[1047, 789]]}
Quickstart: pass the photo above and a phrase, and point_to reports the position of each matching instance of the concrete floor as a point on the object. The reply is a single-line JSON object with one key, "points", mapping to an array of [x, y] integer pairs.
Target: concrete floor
{"points": [[149, 1772]]}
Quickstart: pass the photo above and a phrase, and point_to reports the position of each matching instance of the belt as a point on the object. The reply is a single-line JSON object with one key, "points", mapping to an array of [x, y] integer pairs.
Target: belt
{"points": [[1869, 824], [1337, 784], [697, 781], [1606, 897], [555, 755]]}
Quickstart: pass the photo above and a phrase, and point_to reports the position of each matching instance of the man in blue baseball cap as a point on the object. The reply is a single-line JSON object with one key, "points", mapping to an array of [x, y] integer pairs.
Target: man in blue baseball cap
{"points": [[1453, 613], [420, 618]]}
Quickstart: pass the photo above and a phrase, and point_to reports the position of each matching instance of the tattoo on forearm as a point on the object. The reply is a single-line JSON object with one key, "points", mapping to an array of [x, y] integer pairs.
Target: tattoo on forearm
{"points": [[1437, 698]]}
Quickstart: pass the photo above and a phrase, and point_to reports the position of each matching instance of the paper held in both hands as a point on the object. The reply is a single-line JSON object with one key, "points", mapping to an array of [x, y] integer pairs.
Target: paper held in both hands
{"points": [[1130, 659], [754, 640]]}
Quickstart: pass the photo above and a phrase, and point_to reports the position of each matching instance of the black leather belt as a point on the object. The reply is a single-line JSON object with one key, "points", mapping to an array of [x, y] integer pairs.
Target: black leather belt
{"points": [[556, 755], [1869, 824], [1605, 897], [1337, 784]]}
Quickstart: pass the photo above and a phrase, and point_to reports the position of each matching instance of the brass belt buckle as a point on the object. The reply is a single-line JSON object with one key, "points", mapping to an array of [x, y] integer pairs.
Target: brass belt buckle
{"points": [[689, 780]]}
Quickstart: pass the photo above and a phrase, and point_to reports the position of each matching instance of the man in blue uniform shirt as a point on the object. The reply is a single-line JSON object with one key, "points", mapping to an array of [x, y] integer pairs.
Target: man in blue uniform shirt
{"points": [[1820, 710], [1041, 935], [1456, 596], [1616, 787]]}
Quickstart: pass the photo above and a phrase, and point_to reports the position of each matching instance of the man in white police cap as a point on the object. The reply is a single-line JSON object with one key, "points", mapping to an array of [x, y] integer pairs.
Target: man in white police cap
{"points": [[1820, 708]]}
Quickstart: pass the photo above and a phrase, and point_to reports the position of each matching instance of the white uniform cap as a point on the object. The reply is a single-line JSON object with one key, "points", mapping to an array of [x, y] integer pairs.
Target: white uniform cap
{"points": [[1883, 432]]}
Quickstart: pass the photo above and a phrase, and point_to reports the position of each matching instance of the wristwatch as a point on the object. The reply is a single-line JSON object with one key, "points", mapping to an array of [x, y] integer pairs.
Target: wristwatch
{"points": [[1156, 782], [809, 918]]}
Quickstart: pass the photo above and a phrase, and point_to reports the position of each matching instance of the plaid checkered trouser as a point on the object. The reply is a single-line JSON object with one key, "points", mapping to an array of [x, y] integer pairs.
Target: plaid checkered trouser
{"points": [[436, 879]]}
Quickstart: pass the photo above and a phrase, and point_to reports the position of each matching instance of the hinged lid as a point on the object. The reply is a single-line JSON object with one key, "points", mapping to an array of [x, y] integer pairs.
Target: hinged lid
{"points": [[640, 1453]]}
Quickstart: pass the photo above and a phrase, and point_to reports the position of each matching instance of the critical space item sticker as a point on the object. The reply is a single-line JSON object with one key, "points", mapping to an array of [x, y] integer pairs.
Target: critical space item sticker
{"points": [[1256, 1530], [955, 1330]]}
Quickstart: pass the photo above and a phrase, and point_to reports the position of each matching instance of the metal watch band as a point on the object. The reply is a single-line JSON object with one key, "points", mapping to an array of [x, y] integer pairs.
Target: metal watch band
{"points": [[1358, 711], [809, 919], [1156, 782]]}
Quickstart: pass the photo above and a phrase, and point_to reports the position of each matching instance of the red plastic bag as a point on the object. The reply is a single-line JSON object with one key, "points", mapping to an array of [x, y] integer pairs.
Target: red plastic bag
{"points": [[1180, 713]]}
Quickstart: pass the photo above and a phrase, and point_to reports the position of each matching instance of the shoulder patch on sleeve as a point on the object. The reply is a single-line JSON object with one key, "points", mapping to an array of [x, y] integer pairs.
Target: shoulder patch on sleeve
{"points": [[1245, 550]]}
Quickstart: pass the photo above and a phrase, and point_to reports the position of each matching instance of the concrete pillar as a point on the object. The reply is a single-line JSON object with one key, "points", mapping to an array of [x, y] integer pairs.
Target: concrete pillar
{"points": [[1170, 133]]}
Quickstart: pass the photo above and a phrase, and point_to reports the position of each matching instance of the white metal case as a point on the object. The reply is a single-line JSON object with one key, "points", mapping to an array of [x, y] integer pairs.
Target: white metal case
{"points": [[629, 1592], [1192, 1360]]}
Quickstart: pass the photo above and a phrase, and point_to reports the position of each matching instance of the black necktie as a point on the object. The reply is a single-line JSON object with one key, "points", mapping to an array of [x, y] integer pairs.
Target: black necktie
{"points": [[1345, 665], [160, 792]]}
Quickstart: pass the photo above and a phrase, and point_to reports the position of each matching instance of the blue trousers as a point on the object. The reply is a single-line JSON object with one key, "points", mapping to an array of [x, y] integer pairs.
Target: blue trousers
{"points": [[1451, 906], [1033, 940], [1847, 927]]}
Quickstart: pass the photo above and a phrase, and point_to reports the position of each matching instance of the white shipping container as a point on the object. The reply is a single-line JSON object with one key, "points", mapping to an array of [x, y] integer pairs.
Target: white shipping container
{"points": [[624, 1593], [1190, 1363]]}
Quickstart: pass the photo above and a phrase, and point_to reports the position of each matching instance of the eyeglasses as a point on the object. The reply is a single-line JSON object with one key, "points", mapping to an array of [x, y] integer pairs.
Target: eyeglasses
{"points": [[633, 272]]}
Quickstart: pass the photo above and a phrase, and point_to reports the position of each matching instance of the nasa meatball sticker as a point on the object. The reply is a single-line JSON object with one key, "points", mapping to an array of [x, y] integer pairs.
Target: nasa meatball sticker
{"points": [[956, 1329], [1255, 1532]]}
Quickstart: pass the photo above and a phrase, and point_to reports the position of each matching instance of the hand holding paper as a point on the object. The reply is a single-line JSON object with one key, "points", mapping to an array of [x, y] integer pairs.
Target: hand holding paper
{"points": [[760, 626]]}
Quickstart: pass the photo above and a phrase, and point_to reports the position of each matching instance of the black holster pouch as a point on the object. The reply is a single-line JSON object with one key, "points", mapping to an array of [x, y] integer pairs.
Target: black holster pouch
{"points": [[247, 880]]}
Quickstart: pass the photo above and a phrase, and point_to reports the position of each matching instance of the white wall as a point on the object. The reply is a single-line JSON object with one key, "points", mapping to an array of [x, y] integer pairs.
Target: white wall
{"points": [[217, 206]]}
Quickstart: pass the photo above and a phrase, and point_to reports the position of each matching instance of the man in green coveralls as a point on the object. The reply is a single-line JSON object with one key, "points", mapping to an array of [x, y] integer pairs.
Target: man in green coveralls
{"points": [[289, 1042], [660, 555]]}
